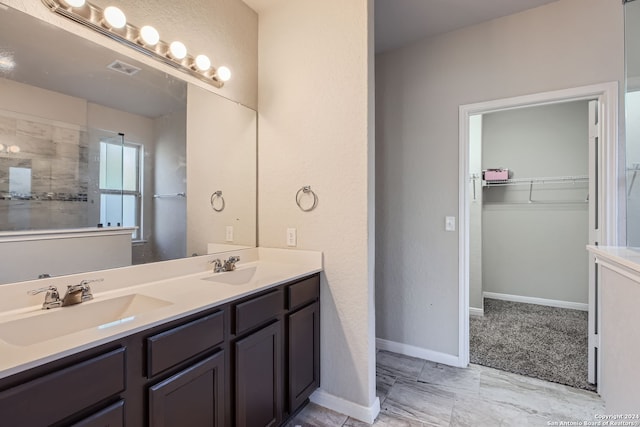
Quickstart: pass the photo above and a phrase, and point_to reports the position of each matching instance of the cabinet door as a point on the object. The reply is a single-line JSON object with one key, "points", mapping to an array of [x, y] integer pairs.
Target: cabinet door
{"points": [[258, 370], [304, 354], [111, 416], [193, 397]]}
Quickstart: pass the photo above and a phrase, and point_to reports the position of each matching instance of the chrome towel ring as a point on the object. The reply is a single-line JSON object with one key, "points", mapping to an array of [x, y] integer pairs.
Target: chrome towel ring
{"points": [[306, 190], [217, 196]]}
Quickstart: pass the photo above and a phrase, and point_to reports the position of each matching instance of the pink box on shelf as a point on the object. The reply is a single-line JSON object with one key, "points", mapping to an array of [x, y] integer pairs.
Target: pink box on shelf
{"points": [[495, 174]]}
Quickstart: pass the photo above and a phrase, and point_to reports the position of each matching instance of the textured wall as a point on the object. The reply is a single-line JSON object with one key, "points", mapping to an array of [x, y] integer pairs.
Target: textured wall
{"points": [[314, 129], [563, 44], [224, 30]]}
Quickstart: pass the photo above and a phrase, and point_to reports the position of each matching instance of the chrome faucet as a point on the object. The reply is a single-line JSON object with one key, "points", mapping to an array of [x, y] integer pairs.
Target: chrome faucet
{"points": [[230, 264], [217, 265], [75, 294], [51, 299], [78, 293]]}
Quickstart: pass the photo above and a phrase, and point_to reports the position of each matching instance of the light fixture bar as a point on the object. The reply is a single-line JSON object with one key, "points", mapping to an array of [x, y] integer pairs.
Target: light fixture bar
{"points": [[91, 16]]}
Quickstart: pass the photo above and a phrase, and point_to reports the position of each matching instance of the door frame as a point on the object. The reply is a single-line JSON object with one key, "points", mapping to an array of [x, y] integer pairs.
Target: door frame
{"points": [[607, 96]]}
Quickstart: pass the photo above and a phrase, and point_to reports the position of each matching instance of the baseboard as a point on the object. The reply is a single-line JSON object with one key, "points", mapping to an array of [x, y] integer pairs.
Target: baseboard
{"points": [[421, 353], [473, 311], [539, 301], [353, 410]]}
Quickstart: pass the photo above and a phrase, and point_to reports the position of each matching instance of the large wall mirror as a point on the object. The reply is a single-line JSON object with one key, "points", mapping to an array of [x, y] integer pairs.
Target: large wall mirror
{"points": [[632, 119], [94, 141]]}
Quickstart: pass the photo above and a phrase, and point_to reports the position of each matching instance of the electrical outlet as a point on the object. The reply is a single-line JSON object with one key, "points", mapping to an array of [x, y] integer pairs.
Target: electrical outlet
{"points": [[450, 223], [229, 235], [292, 237]]}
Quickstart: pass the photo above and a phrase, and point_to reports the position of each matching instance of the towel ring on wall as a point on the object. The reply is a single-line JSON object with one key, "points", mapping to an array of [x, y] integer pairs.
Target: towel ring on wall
{"points": [[217, 195], [306, 190]]}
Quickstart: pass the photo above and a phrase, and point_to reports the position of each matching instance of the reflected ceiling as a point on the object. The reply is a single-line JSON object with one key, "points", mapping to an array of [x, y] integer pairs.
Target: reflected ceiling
{"points": [[78, 67]]}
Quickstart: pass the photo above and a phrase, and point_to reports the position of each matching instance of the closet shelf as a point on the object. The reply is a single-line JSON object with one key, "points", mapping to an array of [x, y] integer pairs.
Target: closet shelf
{"points": [[546, 180], [531, 181]]}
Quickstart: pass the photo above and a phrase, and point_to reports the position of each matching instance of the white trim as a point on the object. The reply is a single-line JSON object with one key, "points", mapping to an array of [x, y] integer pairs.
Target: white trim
{"points": [[63, 233], [607, 95], [538, 301], [419, 352], [478, 312], [353, 410]]}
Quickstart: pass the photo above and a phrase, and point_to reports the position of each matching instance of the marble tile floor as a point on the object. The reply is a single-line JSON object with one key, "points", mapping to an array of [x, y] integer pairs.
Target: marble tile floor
{"points": [[415, 392]]}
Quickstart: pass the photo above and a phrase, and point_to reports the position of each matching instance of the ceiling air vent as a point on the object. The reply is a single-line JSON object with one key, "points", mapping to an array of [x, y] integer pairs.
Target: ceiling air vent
{"points": [[123, 67]]}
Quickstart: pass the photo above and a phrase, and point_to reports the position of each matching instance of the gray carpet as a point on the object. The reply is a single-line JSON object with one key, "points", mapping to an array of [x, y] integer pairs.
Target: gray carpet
{"points": [[538, 341]]}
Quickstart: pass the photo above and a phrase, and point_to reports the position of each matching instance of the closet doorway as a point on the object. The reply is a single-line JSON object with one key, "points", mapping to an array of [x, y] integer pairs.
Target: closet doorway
{"points": [[523, 236]]}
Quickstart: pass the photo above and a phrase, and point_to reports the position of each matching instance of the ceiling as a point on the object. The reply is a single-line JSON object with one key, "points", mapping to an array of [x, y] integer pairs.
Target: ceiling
{"points": [[400, 22]]}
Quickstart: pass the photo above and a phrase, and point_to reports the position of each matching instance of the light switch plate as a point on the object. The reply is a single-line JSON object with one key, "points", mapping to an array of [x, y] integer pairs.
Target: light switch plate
{"points": [[450, 223], [229, 234]]}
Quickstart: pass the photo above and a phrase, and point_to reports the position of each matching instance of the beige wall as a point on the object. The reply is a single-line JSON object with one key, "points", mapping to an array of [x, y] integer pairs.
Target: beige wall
{"points": [[315, 129], [564, 44], [225, 30]]}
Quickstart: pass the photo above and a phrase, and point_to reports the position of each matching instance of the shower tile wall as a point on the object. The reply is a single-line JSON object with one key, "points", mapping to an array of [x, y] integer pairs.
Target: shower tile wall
{"points": [[57, 158]]}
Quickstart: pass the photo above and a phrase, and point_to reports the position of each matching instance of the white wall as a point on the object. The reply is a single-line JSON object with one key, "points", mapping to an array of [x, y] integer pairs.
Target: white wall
{"points": [[47, 104], [537, 249], [221, 156], [315, 128], [620, 341], [564, 44], [59, 256], [225, 30]]}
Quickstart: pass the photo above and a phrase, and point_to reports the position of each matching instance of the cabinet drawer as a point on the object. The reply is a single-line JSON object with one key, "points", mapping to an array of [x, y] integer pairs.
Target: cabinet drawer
{"points": [[258, 310], [174, 346], [111, 416], [303, 292], [55, 396]]}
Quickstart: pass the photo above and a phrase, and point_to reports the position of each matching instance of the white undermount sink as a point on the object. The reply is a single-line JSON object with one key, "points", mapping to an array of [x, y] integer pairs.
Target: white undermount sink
{"points": [[235, 277], [57, 322]]}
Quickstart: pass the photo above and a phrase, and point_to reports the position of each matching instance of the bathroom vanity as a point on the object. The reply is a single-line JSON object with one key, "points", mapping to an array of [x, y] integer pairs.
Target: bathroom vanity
{"points": [[238, 348]]}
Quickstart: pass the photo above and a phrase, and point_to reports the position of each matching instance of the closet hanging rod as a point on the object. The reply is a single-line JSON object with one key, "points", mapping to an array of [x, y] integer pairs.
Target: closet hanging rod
{"points": [[545, 180]]}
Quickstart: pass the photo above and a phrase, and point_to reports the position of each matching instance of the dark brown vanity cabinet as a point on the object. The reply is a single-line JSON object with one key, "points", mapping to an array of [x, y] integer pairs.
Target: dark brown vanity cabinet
{"points": [[257, 359], [81, 391], [258, 379], [250, 362], [303, 341], [194, 396]]}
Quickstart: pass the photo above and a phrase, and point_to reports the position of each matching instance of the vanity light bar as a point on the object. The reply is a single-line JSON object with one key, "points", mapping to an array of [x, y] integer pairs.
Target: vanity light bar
{"points": [[145, 40]]}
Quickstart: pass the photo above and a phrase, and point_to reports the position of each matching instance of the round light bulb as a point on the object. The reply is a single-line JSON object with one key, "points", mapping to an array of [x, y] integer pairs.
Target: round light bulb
{"points": [[115, 17], [74, 3], [203, 63], [178, 50], [149, 35], [223, 73], [14, 149], [1, 147]]}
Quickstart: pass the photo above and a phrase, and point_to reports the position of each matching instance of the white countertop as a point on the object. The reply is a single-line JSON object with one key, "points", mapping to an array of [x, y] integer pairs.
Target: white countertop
{"points": [[191, 290], [624, 260]]}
